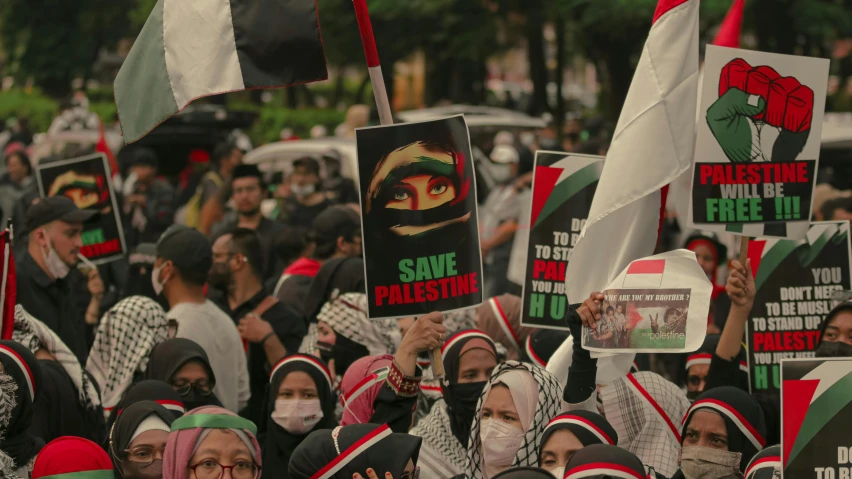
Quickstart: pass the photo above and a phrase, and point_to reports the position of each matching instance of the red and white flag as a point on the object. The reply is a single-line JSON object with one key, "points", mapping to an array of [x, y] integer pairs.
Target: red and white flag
{"points": [[8, 285], [646, 273], [652, 145]]}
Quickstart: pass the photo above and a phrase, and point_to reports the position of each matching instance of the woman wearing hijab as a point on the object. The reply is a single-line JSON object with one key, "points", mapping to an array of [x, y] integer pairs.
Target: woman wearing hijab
{"points": [[22, 369], [383, 389], [184, 365], [301, 400], [697, 367], [722, 431], [354, 451], [69, 403], [126, 336], [345, 334], [469, 358], [72, 457], [541, 344], [645, 411], [500, 318], [570, 432], [836, 337], [149, 390], [516, 405], [602, 460], [765, 465], [525, 473], [137, 440], [209, 440]]}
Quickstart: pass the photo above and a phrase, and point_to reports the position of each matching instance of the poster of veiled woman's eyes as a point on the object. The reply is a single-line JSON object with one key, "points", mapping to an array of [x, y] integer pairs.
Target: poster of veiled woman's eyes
{"points": [[420, 228]]}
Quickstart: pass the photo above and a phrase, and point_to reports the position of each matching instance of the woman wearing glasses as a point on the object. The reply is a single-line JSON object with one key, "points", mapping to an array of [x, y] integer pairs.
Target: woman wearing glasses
{"points": [[209, 441], [184, 364], [137, 440]]}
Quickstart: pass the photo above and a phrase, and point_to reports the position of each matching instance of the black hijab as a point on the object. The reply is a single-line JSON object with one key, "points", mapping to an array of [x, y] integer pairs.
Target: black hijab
{"points": [[743, 417], [606, 461], [280, 444], [342, 452], [25, 370], [340, 275], [524, 473], [462, 399], [121, 433], [172, 354], [705, 353], [833, 349], [589, 428], [541, 344], [149, 390], [765, 464]]}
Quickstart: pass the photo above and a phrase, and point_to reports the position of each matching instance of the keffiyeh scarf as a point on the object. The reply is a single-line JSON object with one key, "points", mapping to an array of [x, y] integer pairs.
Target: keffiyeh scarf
{"points": [[35, 335], [441, 454], [549, 405], [347, 316], [632, 406], [8, 387], [123, 344]]}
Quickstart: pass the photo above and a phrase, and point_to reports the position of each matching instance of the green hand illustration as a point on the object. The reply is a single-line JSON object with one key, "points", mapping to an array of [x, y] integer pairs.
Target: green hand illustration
{"points": [[730, 121]]}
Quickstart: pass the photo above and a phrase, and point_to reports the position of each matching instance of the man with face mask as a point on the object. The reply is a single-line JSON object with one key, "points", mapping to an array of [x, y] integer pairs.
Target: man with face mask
{"points": [[272, 329], [46, 269], [499, 216], [247, 193], [183, 262], [306, 199]]}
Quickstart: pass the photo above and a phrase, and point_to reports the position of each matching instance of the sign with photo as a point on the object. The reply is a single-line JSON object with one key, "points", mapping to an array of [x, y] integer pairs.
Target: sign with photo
{"points": [[86, 180], [759, 131], [562, 191], [657, 304], [419, 218], [796, 282]]}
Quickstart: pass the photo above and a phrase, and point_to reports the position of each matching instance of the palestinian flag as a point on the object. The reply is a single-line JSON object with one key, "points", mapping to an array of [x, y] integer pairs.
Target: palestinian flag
{"points": [[189, 49], [816, 413]]}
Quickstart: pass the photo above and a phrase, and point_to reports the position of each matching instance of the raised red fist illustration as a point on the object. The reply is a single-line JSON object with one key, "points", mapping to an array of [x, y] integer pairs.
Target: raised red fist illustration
{"points": [[760, 115]]}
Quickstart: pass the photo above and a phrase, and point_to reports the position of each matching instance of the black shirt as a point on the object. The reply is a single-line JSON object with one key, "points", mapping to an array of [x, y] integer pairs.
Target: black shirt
{"points": [[53, 303], [290, 329]]}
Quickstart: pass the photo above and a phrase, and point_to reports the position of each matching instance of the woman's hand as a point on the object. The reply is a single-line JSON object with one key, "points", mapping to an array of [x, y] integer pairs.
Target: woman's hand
{"points": [[427, 333], [590, 311], [740, 287], [371, 474]]}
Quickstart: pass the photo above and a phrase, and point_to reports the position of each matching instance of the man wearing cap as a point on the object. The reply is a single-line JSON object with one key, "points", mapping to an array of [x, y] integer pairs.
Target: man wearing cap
{"points": [[149, 210], [184, 259], [247, 192], [55, 225]]}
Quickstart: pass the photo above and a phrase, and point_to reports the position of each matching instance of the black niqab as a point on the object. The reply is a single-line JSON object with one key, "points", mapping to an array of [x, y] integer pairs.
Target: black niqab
{"points": [[462, 399]]}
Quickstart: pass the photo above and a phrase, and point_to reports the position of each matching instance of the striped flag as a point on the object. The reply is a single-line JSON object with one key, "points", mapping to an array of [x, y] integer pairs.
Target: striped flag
{"points": [[652, 145], [8, 286], [646, 273], [190, 49]]}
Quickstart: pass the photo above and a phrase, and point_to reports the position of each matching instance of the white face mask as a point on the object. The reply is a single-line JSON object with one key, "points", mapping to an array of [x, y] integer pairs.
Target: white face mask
{"points": [[699, 462], [155, 279], [297, 416], [558, 473], [500, 442], [305, 190], [54, 264]]}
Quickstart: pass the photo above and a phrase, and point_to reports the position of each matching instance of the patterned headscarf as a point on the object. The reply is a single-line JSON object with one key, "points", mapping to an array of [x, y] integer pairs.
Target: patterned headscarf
{"points": [[360, 387], [347, 316], [35, 335], [500, 318], [8, 389], [645, 411], [549, 404], [126, 335]]}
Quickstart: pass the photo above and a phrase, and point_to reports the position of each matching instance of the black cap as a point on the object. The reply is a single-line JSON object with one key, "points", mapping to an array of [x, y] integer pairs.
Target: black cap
{"points": [[335, 222], [247, 171], [56, 208], [187, 248], [145, 157]]}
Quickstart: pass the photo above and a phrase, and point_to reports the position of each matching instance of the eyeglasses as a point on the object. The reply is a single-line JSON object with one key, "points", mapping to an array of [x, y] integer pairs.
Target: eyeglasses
{"points": [[204, 388], [213, 470], [694, 380], [415, 474], [144, 454]]}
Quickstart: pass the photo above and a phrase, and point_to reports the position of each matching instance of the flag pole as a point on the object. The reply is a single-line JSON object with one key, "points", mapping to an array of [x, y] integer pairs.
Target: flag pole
{"points": [[380, 93], [6, 321], [373, 66], [743, 250]]}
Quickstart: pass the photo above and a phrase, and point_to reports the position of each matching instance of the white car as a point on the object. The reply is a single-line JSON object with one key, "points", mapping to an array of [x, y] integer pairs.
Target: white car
{"points": [[274, 157]]}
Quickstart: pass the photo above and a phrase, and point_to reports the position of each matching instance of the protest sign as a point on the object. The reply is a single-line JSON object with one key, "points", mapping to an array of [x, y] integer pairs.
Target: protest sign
{"points": [[816, 410], [563, 187], [657, 304], [86, 180], [419, 217], [795, 283], [759, 129]]}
